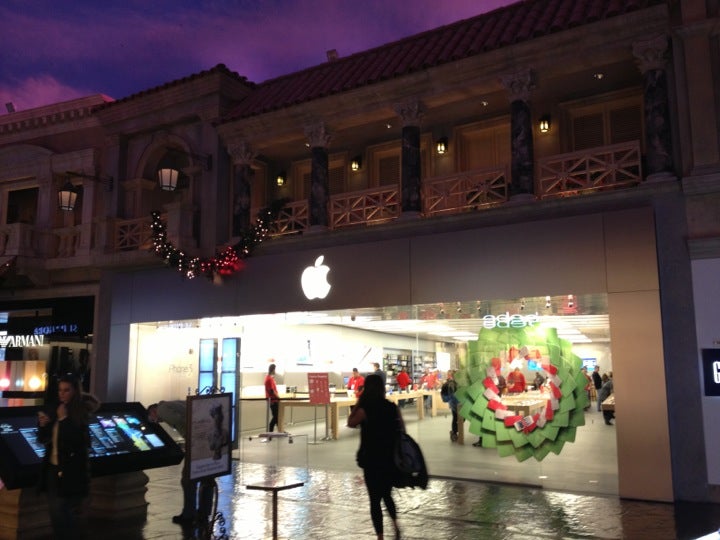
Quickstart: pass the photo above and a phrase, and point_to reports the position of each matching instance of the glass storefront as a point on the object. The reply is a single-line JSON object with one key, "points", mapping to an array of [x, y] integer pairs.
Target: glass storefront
{"points": [[171, 359]]}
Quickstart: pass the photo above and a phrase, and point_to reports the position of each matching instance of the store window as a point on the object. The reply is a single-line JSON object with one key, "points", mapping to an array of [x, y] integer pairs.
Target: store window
{"points": [[418, 338]]}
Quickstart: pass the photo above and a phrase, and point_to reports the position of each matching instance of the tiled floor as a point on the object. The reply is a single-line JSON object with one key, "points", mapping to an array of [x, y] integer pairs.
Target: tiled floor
{"points": [[332, 503]]}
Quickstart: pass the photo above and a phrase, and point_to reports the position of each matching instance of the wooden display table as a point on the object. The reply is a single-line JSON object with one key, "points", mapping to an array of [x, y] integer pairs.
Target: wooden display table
{"points": [[526, 404]]}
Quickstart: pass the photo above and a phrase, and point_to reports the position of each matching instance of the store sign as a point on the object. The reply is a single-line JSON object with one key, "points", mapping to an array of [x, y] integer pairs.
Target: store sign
{"points": [[21, 341], [505, 320], [314, 280], [711, 371], [56, 329]]}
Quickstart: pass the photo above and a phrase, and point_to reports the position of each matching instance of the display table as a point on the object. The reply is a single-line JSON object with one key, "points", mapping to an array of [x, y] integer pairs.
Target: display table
{"points": [[417, 395], [338, 401], [526, 404]]}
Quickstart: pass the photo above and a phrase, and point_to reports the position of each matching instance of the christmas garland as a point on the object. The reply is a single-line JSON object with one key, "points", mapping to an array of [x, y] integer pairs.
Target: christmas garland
{"points": [[229, 261], [533, 435]]}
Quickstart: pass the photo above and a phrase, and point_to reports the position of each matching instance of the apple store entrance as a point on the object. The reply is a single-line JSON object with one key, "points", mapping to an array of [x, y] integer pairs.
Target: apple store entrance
{"points": [[172, 359]]}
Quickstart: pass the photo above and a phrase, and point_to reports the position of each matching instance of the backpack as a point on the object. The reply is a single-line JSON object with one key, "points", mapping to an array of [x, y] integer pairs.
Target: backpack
{"points": [[447, 390], [410, 467]]}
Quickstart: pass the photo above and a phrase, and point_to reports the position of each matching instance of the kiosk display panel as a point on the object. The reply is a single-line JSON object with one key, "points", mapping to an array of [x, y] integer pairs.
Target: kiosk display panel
{"points": [[122, 439]]}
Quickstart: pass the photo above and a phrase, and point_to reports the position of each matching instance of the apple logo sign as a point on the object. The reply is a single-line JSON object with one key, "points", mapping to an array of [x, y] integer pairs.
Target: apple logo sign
{"points": [[314, 280]]}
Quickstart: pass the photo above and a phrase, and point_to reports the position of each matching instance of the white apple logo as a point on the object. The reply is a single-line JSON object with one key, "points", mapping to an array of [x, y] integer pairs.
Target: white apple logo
{"points": [[314, 280]]}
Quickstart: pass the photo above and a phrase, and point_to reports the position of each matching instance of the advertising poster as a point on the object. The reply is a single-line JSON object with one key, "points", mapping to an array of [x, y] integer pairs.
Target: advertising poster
{"points": [[319, 388], [208, 448]]}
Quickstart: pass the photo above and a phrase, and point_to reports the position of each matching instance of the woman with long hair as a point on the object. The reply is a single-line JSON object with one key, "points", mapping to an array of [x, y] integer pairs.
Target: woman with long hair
{"points": [[66, 469], [379, 421]]}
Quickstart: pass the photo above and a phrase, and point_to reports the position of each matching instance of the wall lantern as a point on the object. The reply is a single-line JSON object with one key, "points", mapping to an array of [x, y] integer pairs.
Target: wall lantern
{"points": [[68, 194], [356, 163], [442, 145], [545, 124], [168, 179], [281, 179], [168, 176]]}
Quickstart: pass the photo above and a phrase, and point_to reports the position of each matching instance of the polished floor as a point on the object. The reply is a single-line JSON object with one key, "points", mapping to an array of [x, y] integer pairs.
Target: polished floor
{"points": [[573, 501]]}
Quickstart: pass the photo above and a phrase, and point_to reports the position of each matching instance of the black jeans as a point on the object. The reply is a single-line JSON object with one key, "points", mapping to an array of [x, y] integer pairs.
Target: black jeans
{"points": [[274, 415], [67, 513], [379, 489]]}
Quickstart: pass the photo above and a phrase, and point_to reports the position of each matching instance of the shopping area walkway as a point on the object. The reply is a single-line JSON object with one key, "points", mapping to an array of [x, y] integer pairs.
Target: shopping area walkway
{"points": [[333, 504]]}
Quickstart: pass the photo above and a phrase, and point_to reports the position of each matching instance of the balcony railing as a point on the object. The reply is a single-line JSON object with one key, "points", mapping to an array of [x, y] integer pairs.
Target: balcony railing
{"points": [[132, 234], [367, 207], [466, 191], [595, 169], [566, 175]]}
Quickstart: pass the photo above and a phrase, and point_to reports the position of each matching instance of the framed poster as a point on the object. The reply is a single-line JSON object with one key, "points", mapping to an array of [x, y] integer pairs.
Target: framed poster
{"points": [[208, 446]]}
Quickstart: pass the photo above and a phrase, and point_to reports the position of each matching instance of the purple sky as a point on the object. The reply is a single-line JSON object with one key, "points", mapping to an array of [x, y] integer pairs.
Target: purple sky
{"points": [[56, 50]]}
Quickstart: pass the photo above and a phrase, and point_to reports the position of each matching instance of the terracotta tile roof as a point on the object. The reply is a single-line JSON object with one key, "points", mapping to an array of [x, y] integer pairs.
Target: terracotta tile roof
{"points": [[220, 68], [493, 30]]}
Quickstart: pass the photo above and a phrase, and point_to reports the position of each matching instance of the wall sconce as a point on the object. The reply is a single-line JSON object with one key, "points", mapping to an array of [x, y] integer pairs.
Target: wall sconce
{"points": [[545, 124], [67, 196], [168, 176], [356, 163], [442, 145], [281, 179]]}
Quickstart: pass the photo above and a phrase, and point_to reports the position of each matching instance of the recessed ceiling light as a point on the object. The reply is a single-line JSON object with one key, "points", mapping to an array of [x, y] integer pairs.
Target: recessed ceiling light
{"points": [[388, 125], [599, 75], [484, 103]]}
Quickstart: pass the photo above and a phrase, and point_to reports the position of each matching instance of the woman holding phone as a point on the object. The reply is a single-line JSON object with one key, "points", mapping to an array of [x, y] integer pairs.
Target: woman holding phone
{"points": [[66, 469]]}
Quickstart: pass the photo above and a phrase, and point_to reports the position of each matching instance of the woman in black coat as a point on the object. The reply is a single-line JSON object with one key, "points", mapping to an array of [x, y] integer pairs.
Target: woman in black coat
{"points": [[379, 421], [66, 469]]}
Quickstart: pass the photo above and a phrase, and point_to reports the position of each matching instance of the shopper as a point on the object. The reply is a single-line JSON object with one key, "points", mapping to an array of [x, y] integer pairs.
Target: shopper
{"points": [[66, 469], [379, 421], [380, 373], [271, 393], [597, 381], [605, 390], [448, 392]]}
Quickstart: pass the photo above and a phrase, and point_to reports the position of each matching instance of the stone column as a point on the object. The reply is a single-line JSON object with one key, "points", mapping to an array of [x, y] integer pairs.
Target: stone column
{"points": [[650, 55], [319, 198], [694, 52], [242, 155], [522, 182], [410, 113]]}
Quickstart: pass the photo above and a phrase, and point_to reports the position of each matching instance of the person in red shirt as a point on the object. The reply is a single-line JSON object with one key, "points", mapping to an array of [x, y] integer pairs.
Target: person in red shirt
{"points": [[271, 393], [356, 382], [516, 382], [403, 380]]}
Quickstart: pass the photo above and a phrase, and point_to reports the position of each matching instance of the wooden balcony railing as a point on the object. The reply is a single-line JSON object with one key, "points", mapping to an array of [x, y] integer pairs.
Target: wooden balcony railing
{"points": [[595, 169], [293, 219], [367, 207], [566, 175], [132, 234], [465, 191]]}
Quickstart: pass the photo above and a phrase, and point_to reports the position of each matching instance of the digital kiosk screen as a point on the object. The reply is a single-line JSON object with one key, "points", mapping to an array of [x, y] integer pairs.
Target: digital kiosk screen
{"points": [[121, 440]]}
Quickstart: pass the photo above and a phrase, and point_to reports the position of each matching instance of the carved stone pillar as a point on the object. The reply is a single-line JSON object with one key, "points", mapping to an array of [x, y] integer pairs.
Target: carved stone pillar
{"points": [[242, 155], [650, 55], [522, 182], [319, 140], [411, 114]]}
